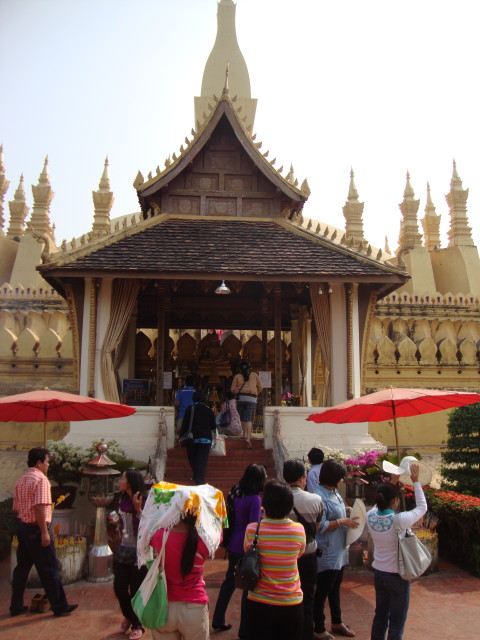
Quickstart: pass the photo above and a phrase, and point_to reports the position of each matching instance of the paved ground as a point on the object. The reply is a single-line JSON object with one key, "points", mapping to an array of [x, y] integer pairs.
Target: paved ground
{"points": [[443, 605]]}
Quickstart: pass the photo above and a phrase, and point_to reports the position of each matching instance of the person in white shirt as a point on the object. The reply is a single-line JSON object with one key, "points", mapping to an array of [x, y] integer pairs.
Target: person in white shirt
{"points": [[391, 591]]}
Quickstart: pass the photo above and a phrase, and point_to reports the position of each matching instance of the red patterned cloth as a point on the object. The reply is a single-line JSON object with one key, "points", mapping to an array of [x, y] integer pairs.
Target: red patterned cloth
{"points": [[31, 489]]}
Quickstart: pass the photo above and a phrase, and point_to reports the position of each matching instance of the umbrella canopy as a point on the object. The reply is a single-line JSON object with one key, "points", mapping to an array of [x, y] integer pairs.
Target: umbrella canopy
{"points": [[47, 406], [393, 403]]}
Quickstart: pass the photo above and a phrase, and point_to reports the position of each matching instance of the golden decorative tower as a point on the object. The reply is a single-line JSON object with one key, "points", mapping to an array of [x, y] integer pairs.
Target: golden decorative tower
{"points": [[42, 197], [431, 224], [459, 234], [353, 211], [409, 234], [18, 212], [102, 200], [4, 184], [226, 51]]}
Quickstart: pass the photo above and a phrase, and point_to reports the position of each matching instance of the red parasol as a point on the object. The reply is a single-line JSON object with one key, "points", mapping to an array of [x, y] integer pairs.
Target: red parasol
{"points": [[47, 406], [393, 403]]}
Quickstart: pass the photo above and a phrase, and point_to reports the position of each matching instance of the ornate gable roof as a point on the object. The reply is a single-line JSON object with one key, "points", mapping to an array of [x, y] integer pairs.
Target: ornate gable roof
{"points": [[225, 111]]}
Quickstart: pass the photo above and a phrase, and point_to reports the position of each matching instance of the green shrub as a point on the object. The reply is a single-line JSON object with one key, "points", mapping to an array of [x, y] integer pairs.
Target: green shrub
{"points": [[459, 529], [461, 458]]}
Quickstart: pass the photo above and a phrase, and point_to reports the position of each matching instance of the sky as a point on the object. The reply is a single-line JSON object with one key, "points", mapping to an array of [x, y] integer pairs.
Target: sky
{"points": [[379, 86]]}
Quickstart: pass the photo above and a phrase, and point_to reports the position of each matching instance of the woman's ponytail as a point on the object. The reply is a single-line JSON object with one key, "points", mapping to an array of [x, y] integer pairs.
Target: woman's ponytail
{"points": [[385, 494]]}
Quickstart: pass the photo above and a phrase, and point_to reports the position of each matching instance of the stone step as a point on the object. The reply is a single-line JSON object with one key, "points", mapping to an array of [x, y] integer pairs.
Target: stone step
{"points": [[222, 471]]}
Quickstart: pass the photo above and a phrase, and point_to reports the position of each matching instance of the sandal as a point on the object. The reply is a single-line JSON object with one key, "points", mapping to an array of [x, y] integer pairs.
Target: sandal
{"points": [[125, 625], [343, 630], [323, 636], [222, 627], [136, 634]]}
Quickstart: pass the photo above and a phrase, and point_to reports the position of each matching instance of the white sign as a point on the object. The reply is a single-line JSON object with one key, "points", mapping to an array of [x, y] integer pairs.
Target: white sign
{"points": [[167, 379], [265, 379]]}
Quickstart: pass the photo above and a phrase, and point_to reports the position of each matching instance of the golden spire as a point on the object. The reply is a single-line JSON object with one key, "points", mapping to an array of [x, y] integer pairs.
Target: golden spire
{"points": [[4, 184], [352, 211], [459, 234], [102, 201], [18, 212], [42, 197], [409, 234], [431, 224]]}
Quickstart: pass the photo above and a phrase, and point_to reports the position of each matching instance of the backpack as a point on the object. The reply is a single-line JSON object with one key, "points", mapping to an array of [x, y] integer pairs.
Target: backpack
{"points": [[227, 531]]}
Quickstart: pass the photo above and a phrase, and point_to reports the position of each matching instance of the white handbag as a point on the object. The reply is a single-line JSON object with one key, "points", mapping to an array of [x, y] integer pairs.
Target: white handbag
{"points": [[219, 446], [413, 557]]}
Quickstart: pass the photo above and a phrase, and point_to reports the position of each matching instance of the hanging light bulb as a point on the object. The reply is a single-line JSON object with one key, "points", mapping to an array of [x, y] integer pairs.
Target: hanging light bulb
{"points": [[222, 289]]}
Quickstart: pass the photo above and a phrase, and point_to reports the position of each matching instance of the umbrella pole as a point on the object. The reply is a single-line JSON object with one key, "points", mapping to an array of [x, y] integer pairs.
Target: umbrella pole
{"points": [[402, 494], [44, 434]]}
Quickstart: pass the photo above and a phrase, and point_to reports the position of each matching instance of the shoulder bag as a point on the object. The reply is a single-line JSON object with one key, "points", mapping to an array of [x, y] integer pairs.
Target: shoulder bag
{"points": [[247, 569], [186, 438], [150, 603], [413, 557], [219, 445]]}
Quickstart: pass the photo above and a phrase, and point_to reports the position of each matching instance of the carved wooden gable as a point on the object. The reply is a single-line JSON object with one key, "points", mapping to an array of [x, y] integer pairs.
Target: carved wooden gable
{"points": [[222, 180]]}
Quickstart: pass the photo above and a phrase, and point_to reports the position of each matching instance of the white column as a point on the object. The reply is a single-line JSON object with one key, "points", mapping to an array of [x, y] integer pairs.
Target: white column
{"points": [[295, 346], [356, 344], [85, 340], [338, 316], [103, 317]]}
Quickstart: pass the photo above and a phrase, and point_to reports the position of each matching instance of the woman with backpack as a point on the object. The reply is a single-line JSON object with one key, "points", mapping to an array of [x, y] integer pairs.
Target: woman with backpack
{"points": [[243, 506], [229, 419]]}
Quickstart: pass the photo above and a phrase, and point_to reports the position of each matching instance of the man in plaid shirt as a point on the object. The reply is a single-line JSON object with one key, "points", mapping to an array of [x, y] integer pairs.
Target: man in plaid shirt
{"points": [[33, 504]]}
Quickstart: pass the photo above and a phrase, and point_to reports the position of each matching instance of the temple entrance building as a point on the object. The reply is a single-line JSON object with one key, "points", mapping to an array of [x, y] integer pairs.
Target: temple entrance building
{"points": [[221, 264]]}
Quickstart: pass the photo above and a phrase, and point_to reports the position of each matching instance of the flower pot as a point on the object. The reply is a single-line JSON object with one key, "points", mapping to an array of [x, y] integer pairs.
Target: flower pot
{"points": [[67, 503]]}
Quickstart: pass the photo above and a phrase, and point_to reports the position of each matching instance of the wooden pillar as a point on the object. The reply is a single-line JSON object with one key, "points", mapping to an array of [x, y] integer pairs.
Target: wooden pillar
{"points": [[264, 312], [278, 343], [162, 324]]}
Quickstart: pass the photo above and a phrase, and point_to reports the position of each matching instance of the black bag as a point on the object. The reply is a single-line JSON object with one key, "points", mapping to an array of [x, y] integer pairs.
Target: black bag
{"points": [[310, 527], [227, 531], [126, 555], [247, 569], [186, 438], [237, 395]]}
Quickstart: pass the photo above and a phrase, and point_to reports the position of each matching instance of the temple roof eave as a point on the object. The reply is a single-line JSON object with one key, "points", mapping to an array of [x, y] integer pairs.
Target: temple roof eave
{"points": [[57, 275]]}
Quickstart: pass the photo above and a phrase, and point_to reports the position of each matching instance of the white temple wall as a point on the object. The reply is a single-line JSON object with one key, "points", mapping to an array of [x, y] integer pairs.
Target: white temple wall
{"points": [[300, 435], [137, 434]]}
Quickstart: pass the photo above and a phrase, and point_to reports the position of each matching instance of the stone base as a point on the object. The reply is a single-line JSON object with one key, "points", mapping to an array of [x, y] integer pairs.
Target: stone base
{"points": [[71, 554]]}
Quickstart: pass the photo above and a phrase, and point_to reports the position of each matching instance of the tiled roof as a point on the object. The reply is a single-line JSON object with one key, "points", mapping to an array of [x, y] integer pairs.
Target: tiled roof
{"points": [[235, 246]]}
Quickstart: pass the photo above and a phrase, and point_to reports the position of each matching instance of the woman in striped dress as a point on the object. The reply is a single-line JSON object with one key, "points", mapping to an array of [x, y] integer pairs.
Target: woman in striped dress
{"points": [[275, 606]]}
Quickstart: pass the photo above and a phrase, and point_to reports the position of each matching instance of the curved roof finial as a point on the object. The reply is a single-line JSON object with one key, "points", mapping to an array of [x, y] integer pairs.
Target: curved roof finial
{"points": [[226, 89]]}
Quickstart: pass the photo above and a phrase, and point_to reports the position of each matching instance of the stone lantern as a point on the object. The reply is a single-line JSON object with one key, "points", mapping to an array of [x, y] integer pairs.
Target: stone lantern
{"points": [[99, 479]]}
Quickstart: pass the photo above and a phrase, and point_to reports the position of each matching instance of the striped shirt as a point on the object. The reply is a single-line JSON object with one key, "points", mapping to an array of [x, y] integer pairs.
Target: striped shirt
{"points": [[280, 543], [31, 489]]}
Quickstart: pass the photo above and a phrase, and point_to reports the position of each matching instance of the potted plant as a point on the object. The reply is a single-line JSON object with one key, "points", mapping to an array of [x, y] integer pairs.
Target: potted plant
{"points": [[66, 462]]}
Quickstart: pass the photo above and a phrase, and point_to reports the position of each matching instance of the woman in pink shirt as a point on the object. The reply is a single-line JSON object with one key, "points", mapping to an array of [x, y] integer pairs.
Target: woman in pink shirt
{"points": [[185, 555]]}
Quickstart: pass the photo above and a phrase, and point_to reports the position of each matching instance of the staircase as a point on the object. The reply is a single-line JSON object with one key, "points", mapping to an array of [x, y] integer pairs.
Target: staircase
{"points": [[222, 471]]}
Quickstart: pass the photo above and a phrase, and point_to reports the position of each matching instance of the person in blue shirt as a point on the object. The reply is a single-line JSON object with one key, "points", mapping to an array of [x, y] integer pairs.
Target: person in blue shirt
{"points": [[315, 457], [331, 539], [184, 399]]}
